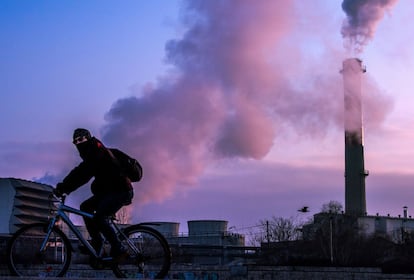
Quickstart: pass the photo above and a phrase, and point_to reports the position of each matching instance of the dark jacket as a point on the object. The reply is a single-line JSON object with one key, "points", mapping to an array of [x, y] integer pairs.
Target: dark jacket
{"points": [[98, 163]]}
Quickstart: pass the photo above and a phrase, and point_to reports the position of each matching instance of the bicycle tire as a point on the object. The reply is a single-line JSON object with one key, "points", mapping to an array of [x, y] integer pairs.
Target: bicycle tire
{"points": [[154, 258], [25, 259]]}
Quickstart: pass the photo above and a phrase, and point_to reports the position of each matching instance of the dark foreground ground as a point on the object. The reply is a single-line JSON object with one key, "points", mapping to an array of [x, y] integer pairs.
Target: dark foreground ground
{"points": [[190, 272]]}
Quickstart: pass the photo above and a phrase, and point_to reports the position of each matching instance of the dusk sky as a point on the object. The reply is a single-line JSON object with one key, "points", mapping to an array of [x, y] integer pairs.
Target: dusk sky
{"points": [[234, 108]]}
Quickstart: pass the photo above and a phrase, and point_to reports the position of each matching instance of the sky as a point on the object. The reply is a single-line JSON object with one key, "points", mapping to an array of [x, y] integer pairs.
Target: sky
{"points": [[234, 108]]}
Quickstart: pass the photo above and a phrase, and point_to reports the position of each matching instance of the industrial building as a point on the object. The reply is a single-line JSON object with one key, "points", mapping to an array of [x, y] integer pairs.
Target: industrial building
{"points": [[22, 202]]}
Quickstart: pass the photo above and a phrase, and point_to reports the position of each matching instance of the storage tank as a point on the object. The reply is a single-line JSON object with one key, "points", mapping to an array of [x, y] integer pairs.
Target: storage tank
{"points": [[207, 227], [168, 229]]}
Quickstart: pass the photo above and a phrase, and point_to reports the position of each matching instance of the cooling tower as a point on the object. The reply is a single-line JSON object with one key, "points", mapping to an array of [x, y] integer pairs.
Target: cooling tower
{"points": [[355, 201]]}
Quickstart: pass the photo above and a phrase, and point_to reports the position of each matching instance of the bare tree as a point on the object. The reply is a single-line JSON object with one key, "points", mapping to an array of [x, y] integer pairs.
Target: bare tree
{"points": [[256, 237], [123, 215], [333, 207], [279, 229]]}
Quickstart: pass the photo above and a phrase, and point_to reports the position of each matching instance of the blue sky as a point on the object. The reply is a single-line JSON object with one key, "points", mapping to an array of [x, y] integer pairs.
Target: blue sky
{"points": [[234, 117], [67, 56]]}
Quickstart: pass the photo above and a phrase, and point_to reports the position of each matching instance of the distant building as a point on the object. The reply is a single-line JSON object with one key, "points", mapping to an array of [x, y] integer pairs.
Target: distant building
{"points": [[395, 229]]}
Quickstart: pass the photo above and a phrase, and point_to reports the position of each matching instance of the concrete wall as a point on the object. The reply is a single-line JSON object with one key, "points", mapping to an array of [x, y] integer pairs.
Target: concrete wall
{"points": [[236, 271]]}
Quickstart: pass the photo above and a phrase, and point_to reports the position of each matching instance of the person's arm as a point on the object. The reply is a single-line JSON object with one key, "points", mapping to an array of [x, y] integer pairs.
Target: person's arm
{"points": [[79, 176]]}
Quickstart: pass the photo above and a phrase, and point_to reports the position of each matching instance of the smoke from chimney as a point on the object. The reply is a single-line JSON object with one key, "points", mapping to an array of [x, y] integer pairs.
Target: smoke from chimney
{"points": [[216, 103], [362, 20], [234, 87]]}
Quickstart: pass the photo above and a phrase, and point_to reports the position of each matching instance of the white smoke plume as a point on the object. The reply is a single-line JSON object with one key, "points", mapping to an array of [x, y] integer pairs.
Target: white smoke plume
{"points": [[234, 89], [362, 20]]}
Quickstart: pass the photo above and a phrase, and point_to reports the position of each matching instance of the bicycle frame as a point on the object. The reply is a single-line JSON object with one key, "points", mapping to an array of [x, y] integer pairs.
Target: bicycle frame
{"points": [[61, 215]]}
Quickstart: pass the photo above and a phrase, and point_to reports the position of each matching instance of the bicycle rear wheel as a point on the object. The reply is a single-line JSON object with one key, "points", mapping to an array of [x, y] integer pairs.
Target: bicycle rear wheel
{"points": [[25, 257], [149, 254]]}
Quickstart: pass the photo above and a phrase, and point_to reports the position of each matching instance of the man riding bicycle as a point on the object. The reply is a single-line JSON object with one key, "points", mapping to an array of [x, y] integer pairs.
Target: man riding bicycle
{"points": [[111, 189]]}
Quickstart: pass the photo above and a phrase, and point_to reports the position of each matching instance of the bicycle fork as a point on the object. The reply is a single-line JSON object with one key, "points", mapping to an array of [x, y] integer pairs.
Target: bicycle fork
{"points": [[48, 232]]}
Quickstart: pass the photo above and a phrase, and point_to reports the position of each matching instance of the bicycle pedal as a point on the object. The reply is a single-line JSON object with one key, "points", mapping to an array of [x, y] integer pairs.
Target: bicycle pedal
{"points": [[83, 250], [96, 264], [121, 257], [107, 259]]}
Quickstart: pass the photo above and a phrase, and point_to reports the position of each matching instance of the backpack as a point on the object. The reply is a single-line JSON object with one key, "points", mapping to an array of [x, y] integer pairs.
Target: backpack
{"points": [[129, 165]]}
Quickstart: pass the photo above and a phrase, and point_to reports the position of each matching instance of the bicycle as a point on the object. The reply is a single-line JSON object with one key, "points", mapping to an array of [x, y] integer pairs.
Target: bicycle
{"points": [[44, 249]]}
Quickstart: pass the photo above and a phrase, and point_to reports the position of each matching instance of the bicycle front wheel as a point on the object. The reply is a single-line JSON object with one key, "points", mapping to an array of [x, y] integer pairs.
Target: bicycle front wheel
{"points": [[31, 252], [149, 254]]}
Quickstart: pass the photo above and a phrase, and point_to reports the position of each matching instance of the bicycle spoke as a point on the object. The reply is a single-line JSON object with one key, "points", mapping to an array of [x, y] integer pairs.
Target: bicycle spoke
{"points": [[150, 256], [26, 257]]}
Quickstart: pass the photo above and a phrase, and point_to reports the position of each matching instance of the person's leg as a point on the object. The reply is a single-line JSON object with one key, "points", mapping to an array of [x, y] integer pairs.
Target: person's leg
{"points": [[90, 206], [107, 206]]}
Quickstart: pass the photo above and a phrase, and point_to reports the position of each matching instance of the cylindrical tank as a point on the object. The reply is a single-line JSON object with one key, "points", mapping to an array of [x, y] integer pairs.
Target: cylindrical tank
{"points": [[168, 229], [206, 227]]}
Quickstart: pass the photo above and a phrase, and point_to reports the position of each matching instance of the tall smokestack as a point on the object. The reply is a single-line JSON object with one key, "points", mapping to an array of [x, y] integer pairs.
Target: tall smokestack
{"points": [[355, 201]]}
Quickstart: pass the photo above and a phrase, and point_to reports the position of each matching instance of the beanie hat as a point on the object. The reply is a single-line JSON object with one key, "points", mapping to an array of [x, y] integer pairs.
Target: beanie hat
{"points": [[81, 132]]}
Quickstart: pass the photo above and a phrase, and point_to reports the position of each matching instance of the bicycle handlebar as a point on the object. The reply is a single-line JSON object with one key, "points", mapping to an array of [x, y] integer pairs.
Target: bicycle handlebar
{"points": [[61, 198]]}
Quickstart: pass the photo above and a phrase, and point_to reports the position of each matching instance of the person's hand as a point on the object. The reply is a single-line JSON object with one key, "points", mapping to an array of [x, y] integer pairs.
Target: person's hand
{"points": [[58, 191]]}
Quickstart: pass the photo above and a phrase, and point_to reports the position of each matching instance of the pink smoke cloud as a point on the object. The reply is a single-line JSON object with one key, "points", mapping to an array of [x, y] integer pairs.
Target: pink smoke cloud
{"points": [[233, 91]]}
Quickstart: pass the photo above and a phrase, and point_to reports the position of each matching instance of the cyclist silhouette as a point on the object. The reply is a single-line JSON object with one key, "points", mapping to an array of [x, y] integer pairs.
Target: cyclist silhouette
{"points": [[111, 189]]}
